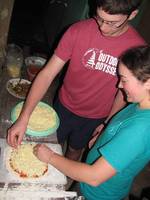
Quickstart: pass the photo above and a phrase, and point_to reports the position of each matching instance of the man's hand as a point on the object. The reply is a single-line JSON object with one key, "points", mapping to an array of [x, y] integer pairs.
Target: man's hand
{"points": [[98, 130], [16, 133], [95, 135]]}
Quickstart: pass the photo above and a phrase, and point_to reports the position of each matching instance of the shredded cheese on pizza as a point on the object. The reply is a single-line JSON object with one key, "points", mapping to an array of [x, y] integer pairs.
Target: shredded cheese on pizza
{"points": [[25, 164], [42, 118]]}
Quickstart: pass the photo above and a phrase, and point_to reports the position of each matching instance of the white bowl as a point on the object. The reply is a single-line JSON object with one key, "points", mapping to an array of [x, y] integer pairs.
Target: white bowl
{"points": [[35, 60]]}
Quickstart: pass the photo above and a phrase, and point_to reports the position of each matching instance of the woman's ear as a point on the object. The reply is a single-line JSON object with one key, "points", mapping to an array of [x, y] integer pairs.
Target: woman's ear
{"points": [[133, 14], [147, 84]]}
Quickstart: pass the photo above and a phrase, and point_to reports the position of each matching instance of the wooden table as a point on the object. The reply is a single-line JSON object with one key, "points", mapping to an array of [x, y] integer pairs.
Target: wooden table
{"points": [[7, 102]]}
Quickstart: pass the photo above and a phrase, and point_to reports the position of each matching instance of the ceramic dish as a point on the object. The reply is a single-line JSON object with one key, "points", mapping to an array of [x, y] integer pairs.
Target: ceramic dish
{"points": [[35, 60], [36, 133], [18, 88]]}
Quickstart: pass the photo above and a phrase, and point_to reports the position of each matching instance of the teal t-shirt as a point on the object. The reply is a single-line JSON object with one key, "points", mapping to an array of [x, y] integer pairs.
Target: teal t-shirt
{"points": [[125, 144]]}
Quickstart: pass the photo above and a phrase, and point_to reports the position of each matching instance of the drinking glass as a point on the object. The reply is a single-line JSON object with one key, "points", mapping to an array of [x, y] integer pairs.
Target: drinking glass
{"points": [[14, 60]]}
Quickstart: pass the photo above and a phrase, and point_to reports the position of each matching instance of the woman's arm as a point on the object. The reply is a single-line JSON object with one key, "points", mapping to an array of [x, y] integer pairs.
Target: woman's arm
{"points": [[94, 174]]}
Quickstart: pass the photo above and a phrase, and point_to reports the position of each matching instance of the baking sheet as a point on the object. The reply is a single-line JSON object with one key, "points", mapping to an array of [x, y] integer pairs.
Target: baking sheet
{"points": [[53, 176]]}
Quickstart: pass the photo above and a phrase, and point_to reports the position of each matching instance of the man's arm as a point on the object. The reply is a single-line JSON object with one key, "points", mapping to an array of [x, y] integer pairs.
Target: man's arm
{"points": [[37, 91], [41, 84]]}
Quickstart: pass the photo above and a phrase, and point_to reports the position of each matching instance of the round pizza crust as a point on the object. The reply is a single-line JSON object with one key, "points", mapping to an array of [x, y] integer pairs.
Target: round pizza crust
{"points": [[41, 119], [29, 157]]}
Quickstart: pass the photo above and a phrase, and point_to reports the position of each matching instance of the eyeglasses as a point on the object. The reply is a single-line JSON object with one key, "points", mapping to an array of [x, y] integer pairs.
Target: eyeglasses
{"points": [[111, 24]]}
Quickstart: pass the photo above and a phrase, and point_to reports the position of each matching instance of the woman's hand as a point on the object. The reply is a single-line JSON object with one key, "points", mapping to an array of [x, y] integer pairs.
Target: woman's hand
{"points": [[43, 153], [16, 133]]}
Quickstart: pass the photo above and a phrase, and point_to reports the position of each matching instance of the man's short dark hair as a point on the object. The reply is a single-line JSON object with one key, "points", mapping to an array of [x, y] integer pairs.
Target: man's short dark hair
{"points": [[125, 7]]}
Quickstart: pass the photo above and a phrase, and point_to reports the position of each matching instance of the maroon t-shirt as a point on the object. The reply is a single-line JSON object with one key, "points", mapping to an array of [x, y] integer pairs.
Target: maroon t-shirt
{"points": [[89, 86]]}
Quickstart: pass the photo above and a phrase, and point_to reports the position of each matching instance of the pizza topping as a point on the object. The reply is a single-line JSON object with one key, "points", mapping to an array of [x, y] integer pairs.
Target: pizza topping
{"points": [[42, 118], [25, 163], [19, 88]]}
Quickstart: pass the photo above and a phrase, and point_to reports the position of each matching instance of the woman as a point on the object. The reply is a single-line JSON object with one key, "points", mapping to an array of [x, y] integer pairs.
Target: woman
{"points": [[123, 149]]}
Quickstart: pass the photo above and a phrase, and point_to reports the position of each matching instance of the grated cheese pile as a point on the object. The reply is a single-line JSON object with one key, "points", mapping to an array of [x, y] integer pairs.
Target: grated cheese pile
{"points": [[25, 163], [42, 118]]}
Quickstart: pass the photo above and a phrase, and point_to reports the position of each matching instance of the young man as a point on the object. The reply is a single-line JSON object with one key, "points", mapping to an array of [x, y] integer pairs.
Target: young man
{"points": [[88, 94]]}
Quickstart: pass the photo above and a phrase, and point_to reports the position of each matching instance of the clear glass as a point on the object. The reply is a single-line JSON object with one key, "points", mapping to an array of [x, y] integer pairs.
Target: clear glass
{"points": [[14, 60]]}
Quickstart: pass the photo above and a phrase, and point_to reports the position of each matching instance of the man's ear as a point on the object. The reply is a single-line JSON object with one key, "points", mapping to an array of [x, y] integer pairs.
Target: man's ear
{"points": [[133, 14]]}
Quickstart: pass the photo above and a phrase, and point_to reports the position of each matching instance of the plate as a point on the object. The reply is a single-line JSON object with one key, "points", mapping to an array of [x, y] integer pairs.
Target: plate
{"points": [[42, 133], [18, 88]]}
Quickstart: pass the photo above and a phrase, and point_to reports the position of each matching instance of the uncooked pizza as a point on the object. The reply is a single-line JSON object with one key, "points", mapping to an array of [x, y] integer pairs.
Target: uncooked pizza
{"points": [[42, 118], [24, 163]]}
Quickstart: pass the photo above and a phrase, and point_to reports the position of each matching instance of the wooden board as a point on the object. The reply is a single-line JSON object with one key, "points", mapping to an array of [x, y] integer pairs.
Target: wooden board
{"points": [[53, 176]]}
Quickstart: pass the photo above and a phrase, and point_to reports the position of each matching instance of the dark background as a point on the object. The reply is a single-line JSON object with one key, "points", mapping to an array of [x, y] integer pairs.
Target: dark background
{"points": [[39, 24]]}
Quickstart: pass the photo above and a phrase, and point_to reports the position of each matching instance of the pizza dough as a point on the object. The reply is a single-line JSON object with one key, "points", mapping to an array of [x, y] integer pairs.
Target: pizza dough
{"points": [[24, 164], [42, 118]]}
